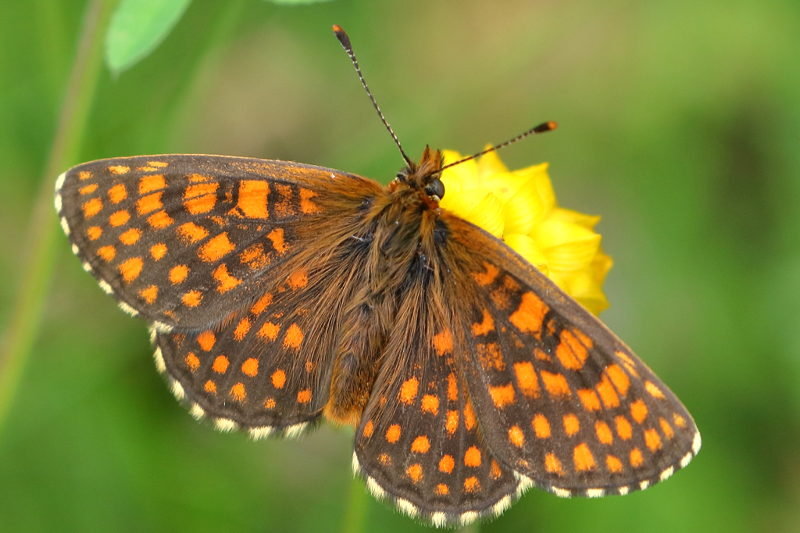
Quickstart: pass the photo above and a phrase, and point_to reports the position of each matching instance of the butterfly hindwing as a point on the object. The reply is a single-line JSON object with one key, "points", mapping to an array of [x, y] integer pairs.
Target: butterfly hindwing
{"points": [[560, 398], [267, 367], [419, 442], [180, 239]]}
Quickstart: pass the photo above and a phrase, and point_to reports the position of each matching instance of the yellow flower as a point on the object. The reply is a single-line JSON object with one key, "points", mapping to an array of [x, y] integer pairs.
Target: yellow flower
{"points": [[520, 208]]}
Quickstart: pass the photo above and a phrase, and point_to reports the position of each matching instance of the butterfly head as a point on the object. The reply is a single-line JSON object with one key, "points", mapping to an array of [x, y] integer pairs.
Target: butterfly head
{"points": [[424, 176]]}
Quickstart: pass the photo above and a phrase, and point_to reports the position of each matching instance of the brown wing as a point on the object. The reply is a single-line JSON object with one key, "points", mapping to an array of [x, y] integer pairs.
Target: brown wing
{"points": [[559, 398], [418, 442], [183, 239]]}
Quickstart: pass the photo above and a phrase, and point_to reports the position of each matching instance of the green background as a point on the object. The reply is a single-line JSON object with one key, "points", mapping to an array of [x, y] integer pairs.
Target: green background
{"points": [[679, 123]]}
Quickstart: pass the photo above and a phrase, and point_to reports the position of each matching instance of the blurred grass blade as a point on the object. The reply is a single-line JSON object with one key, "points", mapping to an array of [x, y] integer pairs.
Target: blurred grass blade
{"points": [[297, 2], [137, 28], [37, 264]]}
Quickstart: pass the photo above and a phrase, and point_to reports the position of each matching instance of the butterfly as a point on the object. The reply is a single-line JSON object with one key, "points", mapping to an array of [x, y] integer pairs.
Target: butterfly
{"points": [[279, 293]]}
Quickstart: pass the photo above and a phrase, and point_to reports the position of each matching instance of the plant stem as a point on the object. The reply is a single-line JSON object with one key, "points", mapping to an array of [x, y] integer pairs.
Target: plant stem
{"points": [[37, 265]]}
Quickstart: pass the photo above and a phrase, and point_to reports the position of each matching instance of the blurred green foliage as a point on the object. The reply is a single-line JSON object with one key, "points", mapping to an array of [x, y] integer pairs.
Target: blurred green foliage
{"points": [[680, 124]]}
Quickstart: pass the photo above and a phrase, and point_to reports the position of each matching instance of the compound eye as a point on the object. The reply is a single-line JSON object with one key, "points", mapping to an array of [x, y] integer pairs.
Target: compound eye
{"points": [[435, 188]]}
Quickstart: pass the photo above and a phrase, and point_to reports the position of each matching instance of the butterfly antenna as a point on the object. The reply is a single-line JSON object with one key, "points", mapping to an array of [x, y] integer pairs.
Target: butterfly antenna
{"points": [[541, 128], [345, 41]]}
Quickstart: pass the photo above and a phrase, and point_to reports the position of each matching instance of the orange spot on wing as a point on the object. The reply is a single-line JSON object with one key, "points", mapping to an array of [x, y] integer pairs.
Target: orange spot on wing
{"points": [[84, 175], [159, 220], [618, 378], [607, 392], [191, 232], [452, 387], [94, 232], [254, 257], [91, 207], [408, 390], [278, 379], [250, 367], [603, 432], [471, 484], [628, 362], [624, 428], [131, 268], [653, 389], [298, 279], [276, 237], [572, 349], [430, 404], [636, 458], [158, 250], [261, 304], [119, 218], [306, 205], [283, 206], [639, 411], [225, 281], [253, 198], [529, 315], [216, 248], [469, 417], [451, 422], [421, 444], [652, 440], [571, 424], [552, 464], [293, 337], [239, 392], [304, 396], [119, 169], [446, 464], [589, 399], [241, 329], [210, 387], [516, 436], [149, 203], [200, 198], [679, 420], [107, 253], [87, 189], [527, 381], [149, 294], [130, 236], [490, 357], [269, 331], [154, 182], [485, 326], [666, 428], [385, 459], [192, 361], [369, 429], [441, 489], [472, 457], [393, 433], [206, 340], [178, 274], [443, 342], [192, 298], [582, 458], [613, 464], [502, 395], [486, 277], [414, 472], [541, 426], [220, 364], [555, 384]]}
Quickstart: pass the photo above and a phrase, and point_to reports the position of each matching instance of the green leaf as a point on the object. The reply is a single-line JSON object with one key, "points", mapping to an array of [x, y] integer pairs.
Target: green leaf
{"points": [[137, 28], [297, 2]]}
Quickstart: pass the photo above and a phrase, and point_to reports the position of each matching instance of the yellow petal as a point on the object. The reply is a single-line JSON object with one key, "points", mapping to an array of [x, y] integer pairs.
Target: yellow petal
{"points": [[487, 214], [567, 246], [524, 210], [490, 164], [574, 217], [525, 246]]}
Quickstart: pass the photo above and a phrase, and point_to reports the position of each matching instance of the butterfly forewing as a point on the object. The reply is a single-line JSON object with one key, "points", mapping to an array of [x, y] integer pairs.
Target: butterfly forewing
{"points": [[560, 399], [182, 239]]}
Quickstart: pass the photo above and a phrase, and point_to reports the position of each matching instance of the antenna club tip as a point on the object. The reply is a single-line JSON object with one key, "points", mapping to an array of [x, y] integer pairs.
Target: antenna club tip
{"points": [[341, 35], [546, 126]]}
